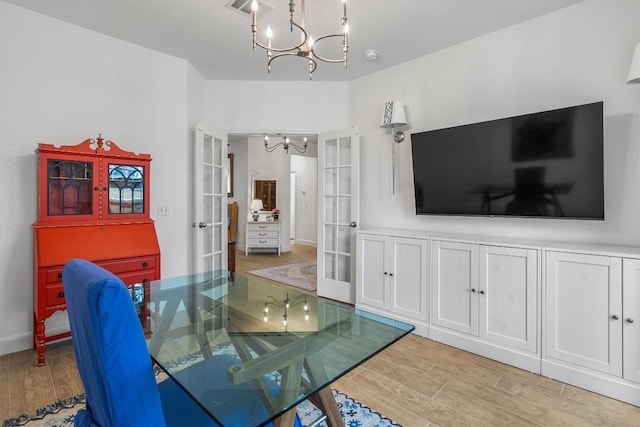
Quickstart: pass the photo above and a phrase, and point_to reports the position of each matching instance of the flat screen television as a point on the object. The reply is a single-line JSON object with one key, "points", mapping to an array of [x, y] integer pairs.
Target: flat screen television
{"points": [[547, 164]]}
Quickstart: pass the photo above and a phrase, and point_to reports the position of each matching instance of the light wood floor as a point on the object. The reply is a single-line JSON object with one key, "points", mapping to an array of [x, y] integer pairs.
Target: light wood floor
{"points": [[415, 382]]}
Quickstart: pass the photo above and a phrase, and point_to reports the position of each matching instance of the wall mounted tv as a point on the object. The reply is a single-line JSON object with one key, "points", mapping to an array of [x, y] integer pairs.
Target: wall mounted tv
{"points": [[547, 164]]}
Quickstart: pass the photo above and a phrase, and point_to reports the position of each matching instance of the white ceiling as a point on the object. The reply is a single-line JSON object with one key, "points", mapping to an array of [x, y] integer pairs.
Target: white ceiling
{"points": [[217, 40]]}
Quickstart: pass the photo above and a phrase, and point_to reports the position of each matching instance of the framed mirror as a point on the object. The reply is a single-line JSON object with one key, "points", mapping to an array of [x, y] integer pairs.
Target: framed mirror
{"points": [[266, 190], [230, 176]]}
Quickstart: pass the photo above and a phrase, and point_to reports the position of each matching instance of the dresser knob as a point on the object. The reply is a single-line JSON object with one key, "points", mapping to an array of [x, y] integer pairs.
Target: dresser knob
{"points": [[60, 275], [145, 264], [61, 295]]}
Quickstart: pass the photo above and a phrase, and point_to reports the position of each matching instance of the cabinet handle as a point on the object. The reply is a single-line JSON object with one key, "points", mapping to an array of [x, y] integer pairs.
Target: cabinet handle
{"points": [[262, 226], [482, 292], [96, 188], [473, 290], [391, 274], [262, 241], [104, 188], [629, 320], [61, 295], [615, 317], [262, 234], [386, 274], [145, 264]]}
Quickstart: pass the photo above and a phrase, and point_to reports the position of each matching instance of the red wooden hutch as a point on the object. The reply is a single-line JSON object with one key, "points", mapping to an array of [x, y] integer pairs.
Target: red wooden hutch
{"points": [[93, 203]]}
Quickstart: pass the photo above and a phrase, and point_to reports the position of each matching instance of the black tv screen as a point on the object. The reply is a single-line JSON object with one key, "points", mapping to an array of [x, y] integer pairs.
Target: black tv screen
{"points": [[547, 164]]}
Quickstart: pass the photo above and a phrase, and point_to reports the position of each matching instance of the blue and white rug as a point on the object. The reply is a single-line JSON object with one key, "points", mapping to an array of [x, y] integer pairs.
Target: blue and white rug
{"points": [[62, 413]]}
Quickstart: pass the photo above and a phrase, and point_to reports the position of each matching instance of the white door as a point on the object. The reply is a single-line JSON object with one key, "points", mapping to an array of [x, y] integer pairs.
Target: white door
{"points": [[210, 171], [409, 277], [508, 296], [584, 310], [454, 286], [631, 319], [373, 270], [338, 208]]}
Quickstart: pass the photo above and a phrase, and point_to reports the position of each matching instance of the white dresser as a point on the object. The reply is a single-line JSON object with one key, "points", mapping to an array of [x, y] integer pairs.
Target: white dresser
{"points": [[263, 235]]}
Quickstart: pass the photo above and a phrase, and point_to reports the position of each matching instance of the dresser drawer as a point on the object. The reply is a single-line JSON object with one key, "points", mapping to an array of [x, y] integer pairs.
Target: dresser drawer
{"points": [[263, 234], [261, 226], [129, 264], [55, 295], [263, 243]]}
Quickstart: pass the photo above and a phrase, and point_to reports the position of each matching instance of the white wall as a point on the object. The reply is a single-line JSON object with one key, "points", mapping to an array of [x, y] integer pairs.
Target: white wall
{"points": [[306, 169], [576, 55], [61, 84]]}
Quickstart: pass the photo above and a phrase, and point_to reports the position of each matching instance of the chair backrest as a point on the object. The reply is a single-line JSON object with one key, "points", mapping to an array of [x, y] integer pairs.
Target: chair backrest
{"points": [[232, 213], [110, 350]]}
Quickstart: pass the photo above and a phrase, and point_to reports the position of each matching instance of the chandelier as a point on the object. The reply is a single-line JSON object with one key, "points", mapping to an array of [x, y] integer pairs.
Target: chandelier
{"points": [[305, 49], [285, 305], [286, 143]]}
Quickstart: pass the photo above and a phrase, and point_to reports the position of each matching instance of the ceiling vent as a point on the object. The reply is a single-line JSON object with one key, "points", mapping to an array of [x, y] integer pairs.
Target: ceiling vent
{"points": [[243, 7]]}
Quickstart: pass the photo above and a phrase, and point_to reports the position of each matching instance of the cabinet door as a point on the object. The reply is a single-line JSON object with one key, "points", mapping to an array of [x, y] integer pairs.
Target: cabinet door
{"points": [[508, 296], [68, 188], [373, 270], [454, 285], [126, 189], [583, 306], [631, 319], [409, 278]]}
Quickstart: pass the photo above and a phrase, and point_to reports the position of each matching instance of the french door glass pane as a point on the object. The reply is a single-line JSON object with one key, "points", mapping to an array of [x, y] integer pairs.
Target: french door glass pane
{"points": [[344, 210], [344, 268], [208, 240], [330, 210], [330, 237], [344, 180], [329, 266], [344, 239], [331, 152], [208, 212], [330, 178], [344, 153], [217, 240]]}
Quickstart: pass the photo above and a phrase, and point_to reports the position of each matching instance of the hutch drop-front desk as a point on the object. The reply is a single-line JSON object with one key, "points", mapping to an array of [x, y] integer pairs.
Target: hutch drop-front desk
{"points": [[93, 203]]}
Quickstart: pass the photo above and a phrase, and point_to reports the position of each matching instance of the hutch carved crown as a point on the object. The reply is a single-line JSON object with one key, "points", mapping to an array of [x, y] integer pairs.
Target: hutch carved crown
{"points": [[93, 203]]}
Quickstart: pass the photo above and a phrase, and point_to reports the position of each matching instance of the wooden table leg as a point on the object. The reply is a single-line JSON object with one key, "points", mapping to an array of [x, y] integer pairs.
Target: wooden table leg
{"points": [[325, 401]]}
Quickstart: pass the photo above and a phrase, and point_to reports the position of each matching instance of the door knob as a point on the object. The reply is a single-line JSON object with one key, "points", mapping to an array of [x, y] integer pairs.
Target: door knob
{"points": [[202, 225], [353, 224]]}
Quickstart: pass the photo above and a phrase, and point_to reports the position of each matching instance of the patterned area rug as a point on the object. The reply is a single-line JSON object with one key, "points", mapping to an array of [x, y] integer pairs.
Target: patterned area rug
{"points": [[354, 414], [301, 275]]}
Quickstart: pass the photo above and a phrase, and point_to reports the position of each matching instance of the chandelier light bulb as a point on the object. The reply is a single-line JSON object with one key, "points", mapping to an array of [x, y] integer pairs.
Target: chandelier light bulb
{"points": [[346, 28], [269, 32], [310, 42], [254, 5], [266, 318]]}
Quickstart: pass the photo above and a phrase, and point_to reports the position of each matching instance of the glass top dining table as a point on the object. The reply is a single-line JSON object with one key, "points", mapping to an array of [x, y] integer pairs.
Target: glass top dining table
{"points": [[238, 344]]}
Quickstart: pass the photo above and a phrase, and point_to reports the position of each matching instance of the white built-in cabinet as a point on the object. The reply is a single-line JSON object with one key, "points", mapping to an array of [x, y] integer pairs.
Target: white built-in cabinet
{"points": [[566, 310], [393, 275], [591, 332], [484, 298]]}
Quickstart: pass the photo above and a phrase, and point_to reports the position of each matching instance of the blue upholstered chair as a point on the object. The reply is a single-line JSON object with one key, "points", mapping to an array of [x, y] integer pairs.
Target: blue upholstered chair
{"points": [[115, 365]]}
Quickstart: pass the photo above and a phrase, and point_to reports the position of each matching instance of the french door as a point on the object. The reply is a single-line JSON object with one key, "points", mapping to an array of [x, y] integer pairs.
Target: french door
{"points": [[338, 213], [210, 170]]}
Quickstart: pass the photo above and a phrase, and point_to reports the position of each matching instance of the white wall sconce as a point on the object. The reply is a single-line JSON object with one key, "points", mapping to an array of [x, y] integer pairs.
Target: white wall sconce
{"points": [[634, 71], [392, 116]]}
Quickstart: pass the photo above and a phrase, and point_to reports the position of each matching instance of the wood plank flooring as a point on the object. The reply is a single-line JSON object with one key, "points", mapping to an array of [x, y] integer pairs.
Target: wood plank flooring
{"points": [[416, 382]]}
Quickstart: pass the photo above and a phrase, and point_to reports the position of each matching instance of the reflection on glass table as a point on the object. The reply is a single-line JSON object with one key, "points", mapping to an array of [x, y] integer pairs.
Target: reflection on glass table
{"points": [[271, 341]]}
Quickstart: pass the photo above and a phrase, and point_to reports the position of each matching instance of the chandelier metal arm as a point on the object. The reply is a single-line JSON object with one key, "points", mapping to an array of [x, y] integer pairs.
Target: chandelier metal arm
{"points": [[334, 61], [256, 42]]}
